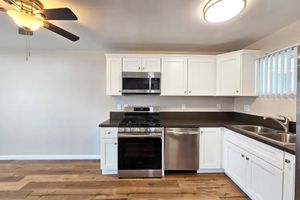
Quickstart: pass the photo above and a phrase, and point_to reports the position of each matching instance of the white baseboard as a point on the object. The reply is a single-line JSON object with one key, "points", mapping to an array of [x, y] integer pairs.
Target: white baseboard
{"points": [[210, 171], [50, 157]]}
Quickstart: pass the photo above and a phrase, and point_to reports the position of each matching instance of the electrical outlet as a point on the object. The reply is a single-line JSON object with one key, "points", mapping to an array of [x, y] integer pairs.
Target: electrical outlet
{"points": [[219, 106], [119, 107], [246, 108], [183, 107]]}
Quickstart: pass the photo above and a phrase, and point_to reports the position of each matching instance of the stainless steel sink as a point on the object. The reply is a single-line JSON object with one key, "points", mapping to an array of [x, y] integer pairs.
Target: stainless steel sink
{"points": [[256, 129], [281, 137], [269, 134]]}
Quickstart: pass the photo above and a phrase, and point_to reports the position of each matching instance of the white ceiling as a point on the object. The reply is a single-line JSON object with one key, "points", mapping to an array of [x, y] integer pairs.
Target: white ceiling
{"points": [[155, 25]]}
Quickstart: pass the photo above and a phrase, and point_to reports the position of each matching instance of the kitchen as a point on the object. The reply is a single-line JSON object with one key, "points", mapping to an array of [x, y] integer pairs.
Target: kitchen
{"points": [[52, 104]]}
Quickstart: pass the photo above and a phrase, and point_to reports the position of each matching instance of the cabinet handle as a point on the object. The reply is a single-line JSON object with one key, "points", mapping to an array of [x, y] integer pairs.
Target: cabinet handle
{"points": [[120, 91], [139, 67], [108, 133], [116, 143], [190, 92], [287, 161], [237, 91], [247, 158], [185, 92], [242, 155]]}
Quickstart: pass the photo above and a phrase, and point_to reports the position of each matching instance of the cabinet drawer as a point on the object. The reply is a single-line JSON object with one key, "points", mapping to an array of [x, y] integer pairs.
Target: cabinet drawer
{"points": [[107, 133], [267, 153]]}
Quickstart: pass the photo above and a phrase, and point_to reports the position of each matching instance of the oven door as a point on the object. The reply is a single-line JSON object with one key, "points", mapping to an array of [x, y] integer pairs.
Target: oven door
{"points": [[139, 153]]}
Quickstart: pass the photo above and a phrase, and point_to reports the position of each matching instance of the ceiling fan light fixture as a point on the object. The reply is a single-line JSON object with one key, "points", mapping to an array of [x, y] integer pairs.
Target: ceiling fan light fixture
{"points": [[25, 21], [216, 11]]}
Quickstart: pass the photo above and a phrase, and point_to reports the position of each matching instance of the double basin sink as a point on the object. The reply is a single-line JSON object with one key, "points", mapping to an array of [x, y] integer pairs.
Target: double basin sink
{"points": [[287, 139]]}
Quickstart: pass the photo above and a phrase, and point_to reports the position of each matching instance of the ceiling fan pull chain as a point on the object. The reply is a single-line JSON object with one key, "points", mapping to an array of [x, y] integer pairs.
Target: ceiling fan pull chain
{"points": [[29, 46], [26, 50]]}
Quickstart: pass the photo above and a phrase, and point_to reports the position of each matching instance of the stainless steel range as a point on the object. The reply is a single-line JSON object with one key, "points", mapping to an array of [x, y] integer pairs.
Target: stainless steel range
{"points": [[140, 144]]}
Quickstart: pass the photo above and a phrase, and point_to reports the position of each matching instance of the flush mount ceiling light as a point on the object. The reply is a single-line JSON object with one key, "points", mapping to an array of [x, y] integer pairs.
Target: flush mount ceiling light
{"points": [[216, 11]]}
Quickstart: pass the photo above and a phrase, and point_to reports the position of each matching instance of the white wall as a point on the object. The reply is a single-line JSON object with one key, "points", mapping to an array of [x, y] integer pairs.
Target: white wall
{"points": [[287, 36], [52, 104]]}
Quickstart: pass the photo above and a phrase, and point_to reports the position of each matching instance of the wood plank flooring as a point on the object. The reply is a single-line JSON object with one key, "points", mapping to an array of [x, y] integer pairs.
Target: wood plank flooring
{"points": [[80, 180]]}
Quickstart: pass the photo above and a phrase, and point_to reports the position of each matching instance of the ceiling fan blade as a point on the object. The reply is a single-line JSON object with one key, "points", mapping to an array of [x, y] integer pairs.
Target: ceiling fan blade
{"points": [[59, 14], [23, 31], [2, 9], [61, 31]]}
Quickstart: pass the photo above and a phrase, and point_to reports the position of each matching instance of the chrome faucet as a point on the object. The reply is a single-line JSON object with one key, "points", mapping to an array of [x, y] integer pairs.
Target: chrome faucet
{"points": [[285, 124]]}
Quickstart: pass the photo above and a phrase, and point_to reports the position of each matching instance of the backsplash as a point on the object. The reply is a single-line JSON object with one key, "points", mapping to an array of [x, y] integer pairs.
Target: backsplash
{"points": [[176, 103]]}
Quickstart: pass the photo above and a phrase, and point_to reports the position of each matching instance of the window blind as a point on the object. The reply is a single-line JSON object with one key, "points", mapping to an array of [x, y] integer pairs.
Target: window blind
{"points": [[277, 74]]}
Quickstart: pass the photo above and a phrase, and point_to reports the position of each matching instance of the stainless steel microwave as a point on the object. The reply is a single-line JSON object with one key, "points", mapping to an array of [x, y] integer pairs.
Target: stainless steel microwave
{"points": [[140, 83]]}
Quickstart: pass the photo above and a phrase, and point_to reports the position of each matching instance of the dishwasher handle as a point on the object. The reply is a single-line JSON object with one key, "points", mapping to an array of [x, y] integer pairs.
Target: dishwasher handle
{"points": [[183, 133]]}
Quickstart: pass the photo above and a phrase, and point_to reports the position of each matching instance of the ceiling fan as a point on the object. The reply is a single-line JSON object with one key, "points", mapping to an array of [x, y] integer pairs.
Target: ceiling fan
{"points": [[30, 15]]}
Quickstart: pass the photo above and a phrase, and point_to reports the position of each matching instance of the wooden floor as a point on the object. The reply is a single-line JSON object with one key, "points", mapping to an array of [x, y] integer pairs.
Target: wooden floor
{"points": [[72, 180]]}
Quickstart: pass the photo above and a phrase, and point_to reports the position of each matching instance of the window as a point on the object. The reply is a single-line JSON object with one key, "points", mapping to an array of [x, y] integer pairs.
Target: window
{"points": [[277, 74]]}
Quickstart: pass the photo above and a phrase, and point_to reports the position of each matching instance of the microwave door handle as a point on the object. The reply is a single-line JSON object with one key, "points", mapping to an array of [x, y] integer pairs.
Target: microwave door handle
{"points": [[150, 81]]}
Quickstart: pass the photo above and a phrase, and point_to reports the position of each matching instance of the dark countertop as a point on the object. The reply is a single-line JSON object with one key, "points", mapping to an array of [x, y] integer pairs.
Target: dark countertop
{"points": [[195, 123], [110, 123]]}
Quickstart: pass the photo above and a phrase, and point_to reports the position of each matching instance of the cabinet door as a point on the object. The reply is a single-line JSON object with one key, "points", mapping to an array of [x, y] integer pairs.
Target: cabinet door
{"points": [[289, 177], [151, 64], [201, 76], [264, 181], [174, 77], [235, 164], [114, 76], [210, 148], [109, 155], [132, 64], [228, 75]]}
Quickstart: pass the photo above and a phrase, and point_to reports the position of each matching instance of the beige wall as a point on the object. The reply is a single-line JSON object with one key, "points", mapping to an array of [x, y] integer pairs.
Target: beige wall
{"points": [[287, 36]]}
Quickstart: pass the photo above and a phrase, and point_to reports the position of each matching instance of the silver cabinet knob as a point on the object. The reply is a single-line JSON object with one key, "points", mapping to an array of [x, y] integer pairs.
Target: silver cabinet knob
{"points": [[242, 155], [247, 158]]}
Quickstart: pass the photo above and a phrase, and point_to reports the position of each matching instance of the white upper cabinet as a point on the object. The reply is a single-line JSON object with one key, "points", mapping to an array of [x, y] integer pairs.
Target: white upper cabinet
{"points": [[141, 64], [174, 76], [188, 76], [202, 76], [113, 75], [151, 64], [132, 64], [236, 73], [230, 74]]}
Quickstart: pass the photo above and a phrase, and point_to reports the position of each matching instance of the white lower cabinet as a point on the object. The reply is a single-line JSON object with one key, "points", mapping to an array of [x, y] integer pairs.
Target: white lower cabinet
{"points": [[235, 164], [109, 150], [254, 174], [263, 181], [210, 148], [289, 177]]}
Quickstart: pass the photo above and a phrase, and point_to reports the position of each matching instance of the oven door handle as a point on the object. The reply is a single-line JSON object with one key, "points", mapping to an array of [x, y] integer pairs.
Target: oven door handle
{"points": [[139, 136]]}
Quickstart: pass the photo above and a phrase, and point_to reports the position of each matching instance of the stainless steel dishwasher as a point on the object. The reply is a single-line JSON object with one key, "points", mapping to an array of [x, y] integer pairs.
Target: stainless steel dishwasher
{"points": [[182, 149]]}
